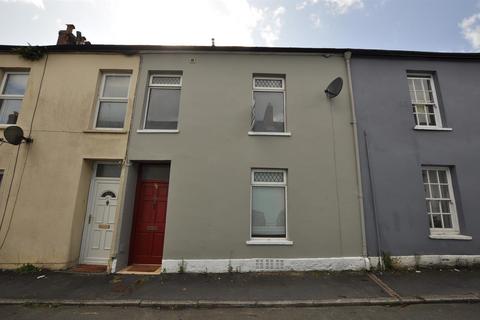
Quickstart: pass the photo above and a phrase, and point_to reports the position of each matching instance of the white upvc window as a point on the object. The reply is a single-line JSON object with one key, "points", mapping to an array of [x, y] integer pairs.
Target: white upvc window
{"points": [[12, 90], [163, 103], [268, 204], [426, 111], [268, 108], [112, 101], [440, 200]]}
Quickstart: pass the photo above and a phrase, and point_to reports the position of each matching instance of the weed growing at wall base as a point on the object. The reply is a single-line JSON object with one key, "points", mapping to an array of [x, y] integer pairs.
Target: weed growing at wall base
{"points": [[27, 268]]}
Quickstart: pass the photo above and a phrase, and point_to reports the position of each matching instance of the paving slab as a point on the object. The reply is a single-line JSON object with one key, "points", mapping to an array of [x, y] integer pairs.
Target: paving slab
{"points": [[181, 287], [448, 282]]}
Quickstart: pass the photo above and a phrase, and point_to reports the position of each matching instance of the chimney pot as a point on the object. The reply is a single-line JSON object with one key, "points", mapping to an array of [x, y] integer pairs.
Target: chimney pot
{"points": [[70, 28]]}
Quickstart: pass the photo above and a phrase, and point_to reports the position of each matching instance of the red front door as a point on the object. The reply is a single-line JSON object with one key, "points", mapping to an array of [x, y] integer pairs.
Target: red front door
{"points": [[149, 222]]}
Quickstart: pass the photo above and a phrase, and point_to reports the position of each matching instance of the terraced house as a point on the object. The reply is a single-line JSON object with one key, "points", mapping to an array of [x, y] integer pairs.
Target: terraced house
{"points": [[61, 193], [216, 159], [420, 149], [237, 160]]}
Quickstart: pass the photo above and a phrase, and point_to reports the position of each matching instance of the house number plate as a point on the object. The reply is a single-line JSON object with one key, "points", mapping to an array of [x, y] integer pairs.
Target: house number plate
{"points": [[152, 228], [104, 226]]}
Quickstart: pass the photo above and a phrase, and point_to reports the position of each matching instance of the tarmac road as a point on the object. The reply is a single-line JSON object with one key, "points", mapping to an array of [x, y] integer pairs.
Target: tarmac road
{"points": [[462, 311]]}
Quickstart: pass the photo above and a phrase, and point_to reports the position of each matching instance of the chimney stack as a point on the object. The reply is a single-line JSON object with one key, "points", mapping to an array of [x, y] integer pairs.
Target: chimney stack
{"points": [[66, 37]]}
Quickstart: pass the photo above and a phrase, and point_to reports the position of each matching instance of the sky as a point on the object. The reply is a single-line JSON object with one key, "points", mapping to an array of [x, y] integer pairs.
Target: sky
{"points": [[425, 25]]}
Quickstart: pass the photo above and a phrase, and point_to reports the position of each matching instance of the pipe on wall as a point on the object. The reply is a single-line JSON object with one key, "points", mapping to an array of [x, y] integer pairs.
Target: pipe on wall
{"points": [[374, 203], [348, 55]]}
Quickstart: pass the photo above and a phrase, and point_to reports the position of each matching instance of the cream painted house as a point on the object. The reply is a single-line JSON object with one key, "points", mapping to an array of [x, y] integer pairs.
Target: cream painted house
{"points": [[60, 195]]}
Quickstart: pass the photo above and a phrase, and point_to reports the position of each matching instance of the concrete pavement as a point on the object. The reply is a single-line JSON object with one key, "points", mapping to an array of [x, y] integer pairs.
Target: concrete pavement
{"points": [[242, 289]]}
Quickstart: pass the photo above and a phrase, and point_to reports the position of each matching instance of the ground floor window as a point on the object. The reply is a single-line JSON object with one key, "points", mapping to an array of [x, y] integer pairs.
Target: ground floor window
{"points": [[269, 199], [440, 200]]}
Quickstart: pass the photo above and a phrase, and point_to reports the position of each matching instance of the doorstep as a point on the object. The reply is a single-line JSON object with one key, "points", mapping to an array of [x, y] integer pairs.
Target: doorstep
{"points": [[89, 268], [142, 269]]}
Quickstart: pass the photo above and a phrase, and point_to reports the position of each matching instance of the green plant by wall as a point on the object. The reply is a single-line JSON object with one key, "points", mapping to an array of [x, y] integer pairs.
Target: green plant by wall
{"points": [[387, 260], [31, 53], [181, 267], [28, 268]]}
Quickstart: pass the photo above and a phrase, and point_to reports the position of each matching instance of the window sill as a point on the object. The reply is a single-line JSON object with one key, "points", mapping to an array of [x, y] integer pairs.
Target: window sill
{"points": [[422, 128], [120, 131], [278, 134], [157, 131], [449, 237], [276, 242], [4, 125]]}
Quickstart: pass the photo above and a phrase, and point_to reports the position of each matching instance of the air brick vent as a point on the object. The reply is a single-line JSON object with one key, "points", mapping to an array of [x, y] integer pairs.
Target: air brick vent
{"points": [[269, 265]]}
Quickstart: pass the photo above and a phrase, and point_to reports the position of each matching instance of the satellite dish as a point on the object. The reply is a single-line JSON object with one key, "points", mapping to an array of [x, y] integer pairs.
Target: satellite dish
{"points": [[334, 88], [14, 135]]}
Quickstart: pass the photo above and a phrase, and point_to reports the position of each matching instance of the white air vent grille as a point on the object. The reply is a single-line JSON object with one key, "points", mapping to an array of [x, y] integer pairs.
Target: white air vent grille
{"points": [[269, 265]]}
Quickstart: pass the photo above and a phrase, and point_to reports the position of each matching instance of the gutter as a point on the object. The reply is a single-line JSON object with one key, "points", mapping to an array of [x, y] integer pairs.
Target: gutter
{"points": [[348, 56], [136, 49]]}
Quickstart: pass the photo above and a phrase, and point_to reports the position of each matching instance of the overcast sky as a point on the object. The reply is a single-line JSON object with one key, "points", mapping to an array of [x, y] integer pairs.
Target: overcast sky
{"points": [[435, 25]]}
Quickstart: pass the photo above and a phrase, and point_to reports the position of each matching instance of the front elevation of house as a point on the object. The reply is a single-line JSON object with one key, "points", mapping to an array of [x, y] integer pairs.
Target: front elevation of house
{"points": [[61, 193], [238, 161], [419, 144]]}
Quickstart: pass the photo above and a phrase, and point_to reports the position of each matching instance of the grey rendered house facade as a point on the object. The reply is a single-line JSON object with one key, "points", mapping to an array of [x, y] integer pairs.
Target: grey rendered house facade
{"points": [[419, 149], [238, 161]]}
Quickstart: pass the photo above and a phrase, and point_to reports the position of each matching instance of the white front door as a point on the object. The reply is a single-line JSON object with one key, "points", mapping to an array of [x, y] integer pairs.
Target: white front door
{"points": [[100, 221]]}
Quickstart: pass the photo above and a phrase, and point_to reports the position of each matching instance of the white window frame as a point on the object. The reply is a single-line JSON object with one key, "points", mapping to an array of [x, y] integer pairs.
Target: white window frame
{"points": [[11, 96], [455, 230], [167, 86], [101, 98], [267, 89], [436, 106], [284, 184]]}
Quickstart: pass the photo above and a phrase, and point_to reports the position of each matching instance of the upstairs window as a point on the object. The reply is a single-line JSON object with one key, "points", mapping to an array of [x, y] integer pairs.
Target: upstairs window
{"points": [[112, 101], [441, 209], [268, 110], [163, 102], [12, 91], [424, 101]]}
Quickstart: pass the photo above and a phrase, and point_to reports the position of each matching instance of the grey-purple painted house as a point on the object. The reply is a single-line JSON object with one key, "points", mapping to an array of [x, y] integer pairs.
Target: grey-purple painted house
{"points": [[419, 142]]}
